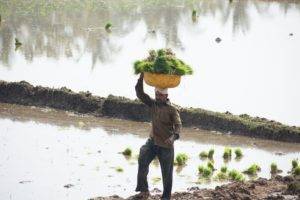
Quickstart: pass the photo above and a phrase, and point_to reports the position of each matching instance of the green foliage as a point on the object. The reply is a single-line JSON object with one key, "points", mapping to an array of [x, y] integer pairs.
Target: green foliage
{"points": [[194, 13], [119, 169], [236, 175], [294, 163], [205, 172], [252, 170], [227, 153], [181, 159], [221, 176], [108, 26], [127, 152], [203, 155], [211, 153], [296, 171], [224, 169], [201, 169], [238, 153], [162, 61], [210, 165], [274, 168]]}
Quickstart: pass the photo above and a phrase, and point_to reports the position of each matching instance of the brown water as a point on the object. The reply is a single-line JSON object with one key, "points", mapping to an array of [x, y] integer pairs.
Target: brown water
{"points": [[253, 70], [42, 150]]}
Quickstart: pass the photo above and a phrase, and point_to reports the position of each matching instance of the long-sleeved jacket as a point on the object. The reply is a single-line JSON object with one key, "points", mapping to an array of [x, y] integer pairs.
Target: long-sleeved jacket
{"points": [[165, 117]]}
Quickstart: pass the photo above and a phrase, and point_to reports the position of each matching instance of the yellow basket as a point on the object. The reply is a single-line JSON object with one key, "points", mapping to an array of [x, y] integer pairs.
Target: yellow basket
{"points": [[162, 80]]}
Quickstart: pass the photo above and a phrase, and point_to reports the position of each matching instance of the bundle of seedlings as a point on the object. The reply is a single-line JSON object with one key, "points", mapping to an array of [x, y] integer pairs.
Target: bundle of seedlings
{"points": [[162, 69]]}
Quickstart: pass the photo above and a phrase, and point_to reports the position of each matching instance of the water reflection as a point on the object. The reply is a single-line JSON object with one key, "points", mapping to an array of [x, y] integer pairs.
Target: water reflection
{"points": [[71, 28], [65, 44]]}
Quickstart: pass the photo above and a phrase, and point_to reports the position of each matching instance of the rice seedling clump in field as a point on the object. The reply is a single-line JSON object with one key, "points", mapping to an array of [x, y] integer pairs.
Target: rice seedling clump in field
{"points": [[211, 153], [127, 152], [203, 155], [227, 153], [296, 171], [238, 153], [181, 159], [252, 170], [236, 175], [294, 163]]}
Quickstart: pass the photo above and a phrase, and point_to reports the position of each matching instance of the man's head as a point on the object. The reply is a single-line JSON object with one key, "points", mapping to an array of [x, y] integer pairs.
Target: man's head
{"points": [[161, 94]]}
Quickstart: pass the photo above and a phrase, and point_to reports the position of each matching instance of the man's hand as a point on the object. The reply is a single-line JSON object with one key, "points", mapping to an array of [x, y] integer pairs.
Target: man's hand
{"points": [[170, 140], [141, 75]]}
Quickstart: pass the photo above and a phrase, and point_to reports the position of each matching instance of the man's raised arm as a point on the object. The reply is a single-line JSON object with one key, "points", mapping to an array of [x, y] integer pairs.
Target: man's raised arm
{"points": [[139, 89]]}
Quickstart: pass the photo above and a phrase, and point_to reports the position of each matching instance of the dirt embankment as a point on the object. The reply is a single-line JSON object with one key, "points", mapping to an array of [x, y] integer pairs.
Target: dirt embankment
{"points": [[278, 188], [119, 107]]}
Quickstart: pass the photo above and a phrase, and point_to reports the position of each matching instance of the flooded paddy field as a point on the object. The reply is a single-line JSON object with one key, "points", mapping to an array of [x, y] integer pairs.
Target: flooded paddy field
{"points": [[50, 154]]}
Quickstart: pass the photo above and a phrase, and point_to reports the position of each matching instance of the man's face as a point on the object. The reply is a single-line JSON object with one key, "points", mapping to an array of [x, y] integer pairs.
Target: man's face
{"points": [[161, 97]]}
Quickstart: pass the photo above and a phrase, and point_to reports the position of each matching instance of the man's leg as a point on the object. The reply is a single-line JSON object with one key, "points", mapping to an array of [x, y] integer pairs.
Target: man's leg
{"points": [[166, 159], [147, 154]]}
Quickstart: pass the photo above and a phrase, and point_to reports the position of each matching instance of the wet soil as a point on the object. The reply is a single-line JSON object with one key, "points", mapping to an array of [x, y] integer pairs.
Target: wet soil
{"points": [[273, 189], [119, 107]]}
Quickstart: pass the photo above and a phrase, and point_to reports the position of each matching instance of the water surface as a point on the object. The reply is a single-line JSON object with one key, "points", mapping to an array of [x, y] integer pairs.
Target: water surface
{"points": [[44, 149]]}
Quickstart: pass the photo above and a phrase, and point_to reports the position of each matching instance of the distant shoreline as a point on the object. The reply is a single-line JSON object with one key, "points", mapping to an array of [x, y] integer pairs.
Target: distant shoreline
{"points": [[24, 93]]}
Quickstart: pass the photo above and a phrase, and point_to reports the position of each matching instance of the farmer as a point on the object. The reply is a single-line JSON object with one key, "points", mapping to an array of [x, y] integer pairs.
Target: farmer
{"points": [[166, 126]]}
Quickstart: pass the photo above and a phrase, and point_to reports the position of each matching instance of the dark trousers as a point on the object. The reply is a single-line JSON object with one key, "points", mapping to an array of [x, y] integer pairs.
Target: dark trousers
{"points": [[166, 158]]}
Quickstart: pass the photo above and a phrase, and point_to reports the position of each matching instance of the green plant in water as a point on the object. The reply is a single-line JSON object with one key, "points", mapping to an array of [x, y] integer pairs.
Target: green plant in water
{"points": [[127, 152], [296, 171], [162, 61], [221, 176], [294, 163], [201, 169], [227, 153], [119, 169], [181, 159], [203, 154], [207, 172], [224, 169], [210, 165], [211, 153], [274, 168], [236, 175], [252, 170], [194, 13], [108, 26], [238, 153]]}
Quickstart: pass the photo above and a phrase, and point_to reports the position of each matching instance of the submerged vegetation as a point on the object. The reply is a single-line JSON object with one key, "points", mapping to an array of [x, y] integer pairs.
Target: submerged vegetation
{"points": [[274, 169], [227, 153], [181, 159], [235, 175], [127, 152], [238, 153], [252, 170], [162, 61]]}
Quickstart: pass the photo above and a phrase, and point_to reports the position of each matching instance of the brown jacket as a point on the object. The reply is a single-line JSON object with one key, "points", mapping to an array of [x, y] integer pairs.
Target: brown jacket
{"points": [[165, 117]]}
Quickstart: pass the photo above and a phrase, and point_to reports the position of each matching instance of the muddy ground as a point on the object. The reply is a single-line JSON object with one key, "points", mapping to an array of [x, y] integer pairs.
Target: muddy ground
{"points": [[119, 107], [277, 188]]}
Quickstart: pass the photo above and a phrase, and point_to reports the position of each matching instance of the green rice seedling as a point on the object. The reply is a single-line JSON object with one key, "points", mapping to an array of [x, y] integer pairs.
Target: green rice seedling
{"points": [[127, 152], [211, 153], [238, 153], [294, 163], [235, 175], [296, 171], [181, 159], [162, 61], [224, 169], [201, 169], [252, 170], [203, 154], [274, 168], [221, 176], [194, 13], [227, 153], [108, 26], [210, 165], [207, 172], [119, 169]]}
